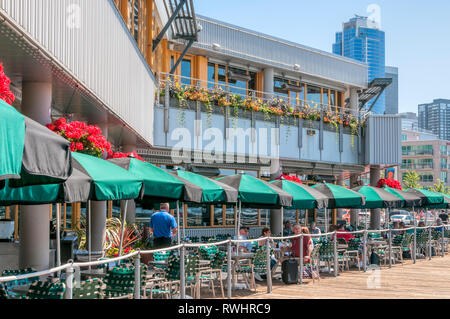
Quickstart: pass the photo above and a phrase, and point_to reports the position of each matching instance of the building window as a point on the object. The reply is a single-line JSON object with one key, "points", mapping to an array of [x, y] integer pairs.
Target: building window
{"points": [[186, 71], [313, 94]]}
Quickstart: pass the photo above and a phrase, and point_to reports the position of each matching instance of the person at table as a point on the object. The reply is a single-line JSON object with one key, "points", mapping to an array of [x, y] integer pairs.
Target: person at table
{"points": [[263, 244], [444, 217], [307, 243], [287, 231], [342, 233], [440, 224], [163, 226], [243, 235], [314, 230]]}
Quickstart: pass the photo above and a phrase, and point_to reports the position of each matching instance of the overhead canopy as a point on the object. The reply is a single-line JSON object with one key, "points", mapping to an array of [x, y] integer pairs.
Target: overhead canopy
{"points": [[378, 197], [254, 192], [30, 154], [408, 199], [445, 204], [429, 198], [92, 179], [340, 197], [212, 191], [304, 197]]}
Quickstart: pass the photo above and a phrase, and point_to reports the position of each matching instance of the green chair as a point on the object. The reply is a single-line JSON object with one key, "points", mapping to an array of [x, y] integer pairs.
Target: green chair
{"points": [[46, 290], [354, 250], [3, 292], [119, 283], [89, 289], [20, 282]]}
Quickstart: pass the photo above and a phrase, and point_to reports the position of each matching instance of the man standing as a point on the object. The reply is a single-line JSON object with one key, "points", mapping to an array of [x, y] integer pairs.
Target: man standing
{"points": [[287, 231], [163, 226]]}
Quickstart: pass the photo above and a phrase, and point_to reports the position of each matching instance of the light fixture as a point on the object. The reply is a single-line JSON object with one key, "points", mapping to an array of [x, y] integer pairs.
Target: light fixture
{"points": [[238, 77], [216, 47], [293, 88], [199, 27], [297, 67]]}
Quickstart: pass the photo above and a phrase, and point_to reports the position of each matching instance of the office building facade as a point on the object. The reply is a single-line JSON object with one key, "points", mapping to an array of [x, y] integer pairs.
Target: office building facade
{"points": [[392, 91], [435, 117], [361, 39]]}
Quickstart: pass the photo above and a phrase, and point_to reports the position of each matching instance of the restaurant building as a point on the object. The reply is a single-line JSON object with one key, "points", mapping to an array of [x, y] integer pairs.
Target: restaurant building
{"points": [[113, 63]]}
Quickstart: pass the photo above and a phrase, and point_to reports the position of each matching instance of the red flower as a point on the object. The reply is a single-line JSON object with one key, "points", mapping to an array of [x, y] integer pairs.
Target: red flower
{"points": [[51, 127], [124, 155], [392, 183], [291, 178], [80, 146], [5, 93], [73, 147]]}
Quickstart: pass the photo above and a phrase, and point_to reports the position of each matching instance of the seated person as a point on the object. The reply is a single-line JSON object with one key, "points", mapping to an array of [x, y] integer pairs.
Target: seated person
{"points": [[262, 243], [287, 231], [243, 234], [444, 217], [342, 233], [307, 244], [314, 230]]}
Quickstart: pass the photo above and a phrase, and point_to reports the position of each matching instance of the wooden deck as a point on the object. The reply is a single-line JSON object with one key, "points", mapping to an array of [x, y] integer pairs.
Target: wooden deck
{"points": [[425, 279]]}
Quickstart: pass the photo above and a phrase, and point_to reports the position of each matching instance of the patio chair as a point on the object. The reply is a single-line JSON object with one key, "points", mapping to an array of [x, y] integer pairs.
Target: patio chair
{"points": [[213, 272], [119, 283], [354, 251], [21, 282], [326, 253], [89, 289], [422, 242], [3, 292], [313, 267], [46, 290], [401, 244]]}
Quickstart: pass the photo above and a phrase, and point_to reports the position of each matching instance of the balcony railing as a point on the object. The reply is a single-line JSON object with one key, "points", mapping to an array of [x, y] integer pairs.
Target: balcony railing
{"points": [[271, 103], [417, 153], [417, 166]]}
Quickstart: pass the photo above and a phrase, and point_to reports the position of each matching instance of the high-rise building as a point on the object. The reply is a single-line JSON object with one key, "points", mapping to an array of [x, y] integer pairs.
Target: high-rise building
{"points": [[435, 117], [361, 39], [392, 91]]}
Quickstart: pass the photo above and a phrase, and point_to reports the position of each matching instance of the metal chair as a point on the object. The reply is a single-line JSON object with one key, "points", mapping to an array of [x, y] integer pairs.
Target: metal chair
{"points": [[46, 290], [89, 289]]}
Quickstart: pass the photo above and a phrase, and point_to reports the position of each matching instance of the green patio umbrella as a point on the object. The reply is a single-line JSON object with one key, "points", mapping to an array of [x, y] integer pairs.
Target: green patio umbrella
{"points": [[340, 197], [30, 154], [256, 193], [304, 197], [408, 199], [212, 191], [378, 197], [429, 198]]}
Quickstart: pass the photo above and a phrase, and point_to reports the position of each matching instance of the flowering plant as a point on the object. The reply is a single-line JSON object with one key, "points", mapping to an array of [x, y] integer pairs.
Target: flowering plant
{"points": [[124, 155], [5, 93], [83, 138], [291, 178], [390, 182]]}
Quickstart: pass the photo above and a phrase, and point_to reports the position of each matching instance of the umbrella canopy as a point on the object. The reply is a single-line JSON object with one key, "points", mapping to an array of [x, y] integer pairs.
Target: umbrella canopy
{"points": [[429, 198], [212, 191], [445, 204], [159, 184], [304, 197], [92, 179], [341, 197], [378, 197], [30, 154], [408, 199], [257, 193]]}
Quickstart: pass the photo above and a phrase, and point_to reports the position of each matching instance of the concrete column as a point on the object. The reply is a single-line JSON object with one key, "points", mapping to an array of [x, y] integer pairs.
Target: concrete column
{"points": [[276, 222], [340, 182], [34, 231], [268, 82], [98, 225], [354, 213], [131, 209], [375, 214], [354, 101]]}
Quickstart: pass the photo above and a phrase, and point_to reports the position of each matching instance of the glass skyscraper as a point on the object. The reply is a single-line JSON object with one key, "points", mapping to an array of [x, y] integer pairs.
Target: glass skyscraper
{"points": [[362, 40]]}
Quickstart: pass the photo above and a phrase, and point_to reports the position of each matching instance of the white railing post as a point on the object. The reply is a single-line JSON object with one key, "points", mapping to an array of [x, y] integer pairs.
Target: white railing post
{"points": [[301, 259], [429, 243], [415, 244], [443, 240], [69, 282], [365, 250], [182, 273], [390, 248], [137, 276], [229, 273], [268, 269], [335, 252]]}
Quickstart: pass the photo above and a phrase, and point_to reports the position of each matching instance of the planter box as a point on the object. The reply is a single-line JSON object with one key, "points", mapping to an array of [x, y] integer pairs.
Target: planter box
{"points": [[6, 229]]}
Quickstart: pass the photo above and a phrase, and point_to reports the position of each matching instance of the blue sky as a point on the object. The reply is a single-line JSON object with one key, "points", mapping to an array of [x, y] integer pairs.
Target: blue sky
{"points": [[417, 34]]}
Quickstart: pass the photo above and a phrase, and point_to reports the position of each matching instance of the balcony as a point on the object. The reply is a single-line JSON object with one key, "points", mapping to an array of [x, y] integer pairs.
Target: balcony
{"points": [[263, 124], [417, 166]]}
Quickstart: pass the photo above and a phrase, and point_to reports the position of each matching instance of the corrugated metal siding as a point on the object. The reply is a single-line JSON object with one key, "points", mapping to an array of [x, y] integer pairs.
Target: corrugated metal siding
{"points": [[260, 48], [100, 53], [383, 140]]}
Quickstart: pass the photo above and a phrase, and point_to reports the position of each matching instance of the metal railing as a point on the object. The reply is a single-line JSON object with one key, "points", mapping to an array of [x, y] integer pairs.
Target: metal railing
{"points": [[70, 267], [166, 82]]}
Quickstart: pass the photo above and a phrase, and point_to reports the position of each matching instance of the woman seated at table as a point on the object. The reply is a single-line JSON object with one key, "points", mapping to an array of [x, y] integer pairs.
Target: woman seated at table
{"points": [[263, 244], [307, 243]]}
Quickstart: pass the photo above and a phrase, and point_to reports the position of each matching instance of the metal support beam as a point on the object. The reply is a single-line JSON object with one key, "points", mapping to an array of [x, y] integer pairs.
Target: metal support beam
{"points": [[167, 26], [188, 46]]}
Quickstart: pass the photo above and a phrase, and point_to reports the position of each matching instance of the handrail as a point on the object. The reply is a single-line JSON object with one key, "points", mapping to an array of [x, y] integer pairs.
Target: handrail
{"points": [[72, 264]]}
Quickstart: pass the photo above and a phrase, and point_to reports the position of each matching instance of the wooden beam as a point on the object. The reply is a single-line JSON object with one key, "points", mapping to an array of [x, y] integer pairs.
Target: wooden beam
{"points": [[109, 209], [50, 206], [65, 217], [211, 214], [7, 213], [224, 215]]}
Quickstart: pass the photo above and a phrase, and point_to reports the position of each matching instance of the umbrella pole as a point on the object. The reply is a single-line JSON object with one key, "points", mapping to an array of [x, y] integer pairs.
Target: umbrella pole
{"points": [[124, 216], [178, 222], [326, 220], [88, 208], [365, 220], [184, 226], [58, 237]]}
